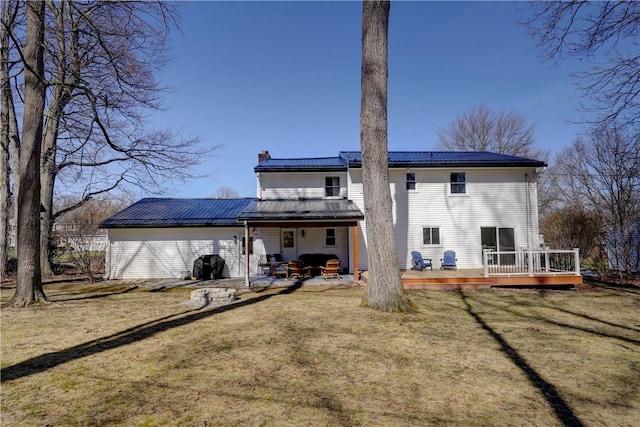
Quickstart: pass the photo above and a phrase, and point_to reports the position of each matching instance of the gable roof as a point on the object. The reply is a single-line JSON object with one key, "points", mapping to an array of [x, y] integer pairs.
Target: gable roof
{"points": [[445, 159], [159, 212]]}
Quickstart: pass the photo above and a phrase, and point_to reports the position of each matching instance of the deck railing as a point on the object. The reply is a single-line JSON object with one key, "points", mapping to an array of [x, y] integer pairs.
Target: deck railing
{"points": [[531, 262]]}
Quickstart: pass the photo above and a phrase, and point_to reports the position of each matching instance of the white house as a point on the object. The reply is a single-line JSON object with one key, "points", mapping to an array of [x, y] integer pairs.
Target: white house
{"points": [[460, 201]]}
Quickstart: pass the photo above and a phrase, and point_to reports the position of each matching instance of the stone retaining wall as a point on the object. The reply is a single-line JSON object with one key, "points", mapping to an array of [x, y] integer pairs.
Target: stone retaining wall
{"points": [[213, 295]]}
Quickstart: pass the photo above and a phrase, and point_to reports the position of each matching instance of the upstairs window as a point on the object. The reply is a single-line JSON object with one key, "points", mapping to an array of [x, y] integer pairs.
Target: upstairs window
{"points": [[332, 186], [430, 235], [458, 183], [411, 181]]}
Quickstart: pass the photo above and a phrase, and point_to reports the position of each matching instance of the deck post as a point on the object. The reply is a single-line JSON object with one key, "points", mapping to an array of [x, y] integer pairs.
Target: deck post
{"points": [[576, 257], [530, 260], [546, 259], [485, 261]]}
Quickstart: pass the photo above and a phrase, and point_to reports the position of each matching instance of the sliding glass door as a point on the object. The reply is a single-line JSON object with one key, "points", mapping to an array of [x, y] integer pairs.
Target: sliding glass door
{"points": [[501, 239]]}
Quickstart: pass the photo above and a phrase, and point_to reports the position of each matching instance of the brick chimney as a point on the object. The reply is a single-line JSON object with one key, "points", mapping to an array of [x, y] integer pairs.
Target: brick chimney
{"points": [[264, 155]]}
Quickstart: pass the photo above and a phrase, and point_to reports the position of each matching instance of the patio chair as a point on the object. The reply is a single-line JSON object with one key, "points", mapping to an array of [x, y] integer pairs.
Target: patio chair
{"points": [[297, 271], [331, 269], [280, 270], [419, 263], [449, 260]]}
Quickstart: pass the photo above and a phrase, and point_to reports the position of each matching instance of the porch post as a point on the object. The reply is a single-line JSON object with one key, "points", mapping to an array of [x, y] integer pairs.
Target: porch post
{"points": [[246, 254], [356, 273]]}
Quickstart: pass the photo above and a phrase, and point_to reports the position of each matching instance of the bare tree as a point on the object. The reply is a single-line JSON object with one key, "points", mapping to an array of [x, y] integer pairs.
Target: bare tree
{"points": [[602, 171], [575, 226], [78, 237], [384, 290], [605, 35], [226, 193], [498, 131], [29, 282], [101, 59]]}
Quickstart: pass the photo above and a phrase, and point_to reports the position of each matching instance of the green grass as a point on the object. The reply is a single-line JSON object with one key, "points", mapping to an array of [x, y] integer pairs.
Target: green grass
{"points": [[107, 354]]}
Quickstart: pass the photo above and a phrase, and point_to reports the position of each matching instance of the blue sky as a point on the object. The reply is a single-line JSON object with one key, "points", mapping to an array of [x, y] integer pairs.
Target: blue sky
{"points": [[285, 77]]}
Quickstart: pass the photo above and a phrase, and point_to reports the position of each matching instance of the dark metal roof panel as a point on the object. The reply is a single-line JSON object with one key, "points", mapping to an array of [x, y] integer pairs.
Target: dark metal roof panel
{"points": [[159, 212], [309, 209], [445, 159], [305, 164]]}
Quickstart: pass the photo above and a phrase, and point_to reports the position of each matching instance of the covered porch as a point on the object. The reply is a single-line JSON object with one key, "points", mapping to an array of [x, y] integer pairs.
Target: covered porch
{"points": [[293, 225]]}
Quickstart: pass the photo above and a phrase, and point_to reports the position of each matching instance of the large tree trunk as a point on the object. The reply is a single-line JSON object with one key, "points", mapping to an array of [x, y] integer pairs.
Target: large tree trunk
{"points": [[64, 78], [384, 290], [29, 281], [47, 182], [4, 138]]}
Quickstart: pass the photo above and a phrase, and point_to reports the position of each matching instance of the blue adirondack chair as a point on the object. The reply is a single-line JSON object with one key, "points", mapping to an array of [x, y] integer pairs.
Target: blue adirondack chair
{"points": [[420, 263], [449, 260]]}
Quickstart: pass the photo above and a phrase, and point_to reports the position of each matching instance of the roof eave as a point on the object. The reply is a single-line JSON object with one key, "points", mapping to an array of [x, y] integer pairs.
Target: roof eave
{"points": [[299, 169], [172, 225], [459, 165]]}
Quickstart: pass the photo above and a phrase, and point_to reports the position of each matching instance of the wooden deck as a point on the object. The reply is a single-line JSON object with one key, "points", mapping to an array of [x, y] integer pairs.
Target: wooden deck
{"points": [[474, 279]]}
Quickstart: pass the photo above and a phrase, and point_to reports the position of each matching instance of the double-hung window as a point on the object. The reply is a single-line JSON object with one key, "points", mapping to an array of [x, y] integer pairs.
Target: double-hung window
{"points": [[430, 235], [458, 183], [332, 186], [330, 237], [411, 181]]}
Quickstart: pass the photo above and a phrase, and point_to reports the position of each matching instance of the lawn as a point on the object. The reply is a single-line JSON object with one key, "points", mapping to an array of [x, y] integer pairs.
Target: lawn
{"points": [[114, 354]]}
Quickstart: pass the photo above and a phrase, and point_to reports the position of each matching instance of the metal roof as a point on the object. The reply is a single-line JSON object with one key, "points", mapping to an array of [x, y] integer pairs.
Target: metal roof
{"points": [[445, 159], [306, 209], [152, 212], [399, 159], [302, 164]]}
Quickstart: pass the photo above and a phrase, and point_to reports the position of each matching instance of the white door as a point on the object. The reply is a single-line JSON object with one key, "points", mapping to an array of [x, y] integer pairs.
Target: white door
{"points": [[288, 242]]}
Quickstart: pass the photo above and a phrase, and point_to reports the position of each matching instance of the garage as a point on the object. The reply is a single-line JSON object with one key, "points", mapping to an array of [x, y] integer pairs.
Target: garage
{"points": [[162, 238]]}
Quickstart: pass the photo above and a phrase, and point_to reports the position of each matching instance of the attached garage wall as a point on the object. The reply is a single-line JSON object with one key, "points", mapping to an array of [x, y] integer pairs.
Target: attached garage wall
{"points": [[170, 252]]}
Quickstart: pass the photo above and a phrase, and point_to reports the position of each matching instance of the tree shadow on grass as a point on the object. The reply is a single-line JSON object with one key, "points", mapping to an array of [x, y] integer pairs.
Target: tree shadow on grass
{"points": [[513, 309], [560, 407], [137, 333], [57, 298]]}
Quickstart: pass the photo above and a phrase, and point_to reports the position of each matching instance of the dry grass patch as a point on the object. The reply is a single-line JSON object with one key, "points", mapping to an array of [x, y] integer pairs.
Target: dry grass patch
{"points": [[107, 354]]}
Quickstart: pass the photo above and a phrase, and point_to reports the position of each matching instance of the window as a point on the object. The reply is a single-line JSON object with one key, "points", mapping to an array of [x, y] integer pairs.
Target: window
{"points": [[458, 183], [288, 239], [411, 181], [430, 235], [250, 245], [330, 237], [332, 186]]}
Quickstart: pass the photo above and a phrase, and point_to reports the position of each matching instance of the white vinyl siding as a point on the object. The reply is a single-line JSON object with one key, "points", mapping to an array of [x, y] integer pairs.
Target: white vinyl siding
{"points": [[313, 241], [296, 185], [169, 253], [495, 197]]}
